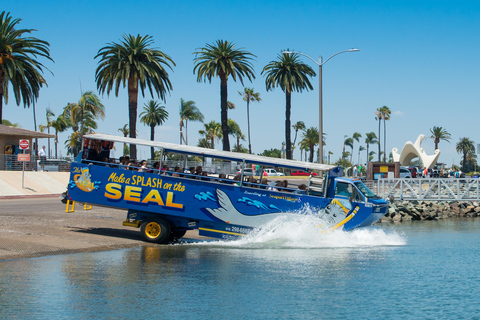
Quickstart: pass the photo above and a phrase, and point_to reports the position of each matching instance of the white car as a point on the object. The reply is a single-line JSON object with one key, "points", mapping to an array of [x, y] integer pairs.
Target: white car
{"points": [[273, 172], [405, 173]]}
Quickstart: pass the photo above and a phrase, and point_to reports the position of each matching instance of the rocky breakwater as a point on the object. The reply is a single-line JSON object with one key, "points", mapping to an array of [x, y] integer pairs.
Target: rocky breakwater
{"points": [[405, 211]]}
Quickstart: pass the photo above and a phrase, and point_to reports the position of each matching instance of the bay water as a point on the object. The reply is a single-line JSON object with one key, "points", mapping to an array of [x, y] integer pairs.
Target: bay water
{"points": [[420, 270]]}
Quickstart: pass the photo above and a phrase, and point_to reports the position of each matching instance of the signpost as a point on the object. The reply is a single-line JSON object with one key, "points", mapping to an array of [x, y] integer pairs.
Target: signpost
{"points": [[23, 144]]}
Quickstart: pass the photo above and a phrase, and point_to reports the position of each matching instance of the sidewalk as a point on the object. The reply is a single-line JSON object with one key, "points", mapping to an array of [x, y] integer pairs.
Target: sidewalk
{"points": [[36, 184]]}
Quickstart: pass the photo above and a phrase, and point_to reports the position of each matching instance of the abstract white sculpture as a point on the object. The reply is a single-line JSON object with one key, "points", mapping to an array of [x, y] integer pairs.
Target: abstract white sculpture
{"points": [[411, 151]]}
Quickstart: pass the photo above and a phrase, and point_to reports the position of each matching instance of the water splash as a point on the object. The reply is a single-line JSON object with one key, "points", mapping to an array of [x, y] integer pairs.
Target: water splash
{"points": [[302, 230]]}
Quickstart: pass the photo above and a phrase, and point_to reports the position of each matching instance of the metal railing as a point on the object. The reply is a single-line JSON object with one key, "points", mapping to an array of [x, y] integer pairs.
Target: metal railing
{"points": [[430, 189], [8, 162]]}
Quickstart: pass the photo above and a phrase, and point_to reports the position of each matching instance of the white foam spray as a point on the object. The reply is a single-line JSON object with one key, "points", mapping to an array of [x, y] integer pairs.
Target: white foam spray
{"points": [[304, 230]]}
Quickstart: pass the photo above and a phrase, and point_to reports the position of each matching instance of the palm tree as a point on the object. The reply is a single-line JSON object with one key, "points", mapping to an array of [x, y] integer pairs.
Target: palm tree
{"points": [[125, 131], [311, 138], [18, 64], [60, 125], [249, 95], [234, 130], [212, 131], [89, 103], [378, 116], [438, 133], [465, 146], [153, 115], [303, 147], [134, 63], [188, 111], [386, 114], [290, 74], [347, 142], [370, 155], [370, 138], [300, 125], [329, 154], [361, 148], [222, 59], [356, 137], [48, 113]]}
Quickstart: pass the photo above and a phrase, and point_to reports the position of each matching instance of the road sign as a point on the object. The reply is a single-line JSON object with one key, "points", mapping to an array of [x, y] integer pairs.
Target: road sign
{"points": [[24, 144], [23, 157]]}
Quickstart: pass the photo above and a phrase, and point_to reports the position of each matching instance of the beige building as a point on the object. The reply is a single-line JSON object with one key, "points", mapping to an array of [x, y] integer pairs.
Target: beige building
{"points": [[9, 141]]}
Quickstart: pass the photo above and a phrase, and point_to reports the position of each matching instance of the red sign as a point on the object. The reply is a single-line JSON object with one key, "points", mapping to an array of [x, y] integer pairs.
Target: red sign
{"points": [[24, 144], [23, 157]]}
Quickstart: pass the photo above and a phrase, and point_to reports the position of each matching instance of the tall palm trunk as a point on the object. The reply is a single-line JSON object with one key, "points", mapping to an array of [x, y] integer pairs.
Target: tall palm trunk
{"points": [[152, 138], [248, 123], [384, 140], [379, 144], [288, 124], [312, 151], [132, 114], [224, 112], [56, 143], [2, 81]]}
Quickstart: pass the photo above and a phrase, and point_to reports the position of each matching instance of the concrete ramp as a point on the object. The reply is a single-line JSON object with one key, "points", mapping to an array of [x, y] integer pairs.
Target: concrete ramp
{"points": [[35, 183]]}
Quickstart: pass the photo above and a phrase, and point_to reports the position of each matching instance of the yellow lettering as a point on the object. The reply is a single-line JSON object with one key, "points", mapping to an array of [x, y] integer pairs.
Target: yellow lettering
{"points": [[132, 193], [149, 182], [112, 191], [153, 196], [112, 177], [170, 201]]}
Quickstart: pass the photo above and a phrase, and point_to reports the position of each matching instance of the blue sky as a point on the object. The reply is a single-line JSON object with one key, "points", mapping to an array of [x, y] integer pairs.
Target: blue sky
{"points": [[419, 58]]}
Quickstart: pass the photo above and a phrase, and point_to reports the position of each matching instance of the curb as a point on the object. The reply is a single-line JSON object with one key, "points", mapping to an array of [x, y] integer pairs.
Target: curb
{"points": [[30, 196]]}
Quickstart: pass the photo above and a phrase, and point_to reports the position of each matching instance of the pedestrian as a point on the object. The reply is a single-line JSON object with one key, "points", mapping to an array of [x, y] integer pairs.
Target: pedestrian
{"points": [[43, 157]]}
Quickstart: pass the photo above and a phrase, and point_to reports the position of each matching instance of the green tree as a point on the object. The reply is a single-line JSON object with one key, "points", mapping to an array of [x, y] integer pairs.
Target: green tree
{"points": [[153, 115], [438, 134], [236, 132], [249, 95], [371, 154], [386, 116], [60, 125], [303, 147], [356, 137], [347, 142], [188, 111], [81, 117], [203, 143], [125, 131], [133, 63], [272, 153], [212, 132], [48, 113], [222, 59], [89, 102], [361, 148], [19, 66], [370, 138], [8, 123], [464, 146], [290, 74], [311, 136], [379, 116], [300, 125]]}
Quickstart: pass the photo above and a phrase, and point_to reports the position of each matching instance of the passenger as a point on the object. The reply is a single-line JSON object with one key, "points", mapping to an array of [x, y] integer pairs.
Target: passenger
{"points": [[237, 179], [205, 176], [301, 189], [252, 182], [285, 186], [264, 183], [222, 177], [272, 186], [165, 170], [192, 172], [198, 172], [142, 166], [177, 172]]}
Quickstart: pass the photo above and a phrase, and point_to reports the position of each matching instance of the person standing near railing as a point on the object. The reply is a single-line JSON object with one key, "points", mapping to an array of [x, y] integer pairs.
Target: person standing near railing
{"points": [[43, 157]]}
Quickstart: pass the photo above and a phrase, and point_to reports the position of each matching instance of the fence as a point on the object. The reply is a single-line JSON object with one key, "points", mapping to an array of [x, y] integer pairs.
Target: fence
{"points": [[430, 189], [8, 162]]}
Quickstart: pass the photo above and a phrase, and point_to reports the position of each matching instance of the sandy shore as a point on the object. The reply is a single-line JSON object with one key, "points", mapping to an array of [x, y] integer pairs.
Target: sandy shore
{"points": [[41, 227]]}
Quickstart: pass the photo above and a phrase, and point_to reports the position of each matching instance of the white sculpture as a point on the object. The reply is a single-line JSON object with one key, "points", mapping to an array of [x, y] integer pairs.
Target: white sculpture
{"points": [[411, 150]]}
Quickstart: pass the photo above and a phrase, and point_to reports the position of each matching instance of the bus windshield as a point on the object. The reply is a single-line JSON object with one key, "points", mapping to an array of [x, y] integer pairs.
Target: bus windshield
{"points": [[366, 192]]}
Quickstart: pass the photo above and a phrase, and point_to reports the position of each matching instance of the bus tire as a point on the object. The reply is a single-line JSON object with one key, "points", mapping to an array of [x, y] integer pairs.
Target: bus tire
{"points": [[155, 230]]}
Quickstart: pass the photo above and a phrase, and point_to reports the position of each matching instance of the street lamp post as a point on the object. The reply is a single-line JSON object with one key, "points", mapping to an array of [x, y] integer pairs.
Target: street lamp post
{"points": [[320, 64]]}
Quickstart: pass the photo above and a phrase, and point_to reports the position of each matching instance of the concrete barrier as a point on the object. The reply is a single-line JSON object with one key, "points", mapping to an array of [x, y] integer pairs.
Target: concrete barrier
{"points": [[35, 183]]}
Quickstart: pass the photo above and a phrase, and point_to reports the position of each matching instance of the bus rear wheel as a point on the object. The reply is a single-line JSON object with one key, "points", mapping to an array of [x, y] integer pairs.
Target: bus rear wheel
{"points": [[156, 230], [176, 234]]}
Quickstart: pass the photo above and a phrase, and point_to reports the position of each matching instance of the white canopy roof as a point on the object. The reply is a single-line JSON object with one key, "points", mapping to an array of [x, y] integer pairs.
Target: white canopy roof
{"points": [[204, 152]]}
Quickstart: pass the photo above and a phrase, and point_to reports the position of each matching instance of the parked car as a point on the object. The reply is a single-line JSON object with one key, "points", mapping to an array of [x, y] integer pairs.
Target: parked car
{"points": [[405, 173], [246, 172], [413, 171], [302, 173], [273, 172]]}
